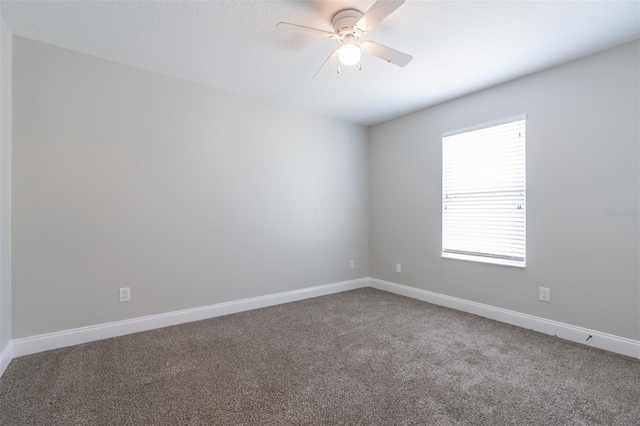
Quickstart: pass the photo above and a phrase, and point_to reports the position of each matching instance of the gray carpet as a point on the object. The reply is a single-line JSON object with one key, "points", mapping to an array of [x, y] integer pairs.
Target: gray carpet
{"points": [[360, 357]]}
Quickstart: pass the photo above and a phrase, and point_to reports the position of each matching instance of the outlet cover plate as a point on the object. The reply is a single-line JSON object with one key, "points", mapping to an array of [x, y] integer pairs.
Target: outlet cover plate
{"points": [[545, 294], [124, 294]]}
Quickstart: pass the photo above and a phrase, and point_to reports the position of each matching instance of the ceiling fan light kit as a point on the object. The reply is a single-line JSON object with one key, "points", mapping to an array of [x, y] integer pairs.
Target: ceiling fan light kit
{"points": [[344, 23], [349, 26], [349, 54]]}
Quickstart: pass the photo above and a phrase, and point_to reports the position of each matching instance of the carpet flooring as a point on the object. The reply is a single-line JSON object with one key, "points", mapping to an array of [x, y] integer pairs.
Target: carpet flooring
{"points": [[363, 357]]}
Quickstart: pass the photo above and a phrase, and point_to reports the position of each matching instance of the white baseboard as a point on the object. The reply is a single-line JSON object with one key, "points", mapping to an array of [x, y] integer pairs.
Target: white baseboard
{"points": [[34, 344], [609, 342], [60, 339], [5, 357]]}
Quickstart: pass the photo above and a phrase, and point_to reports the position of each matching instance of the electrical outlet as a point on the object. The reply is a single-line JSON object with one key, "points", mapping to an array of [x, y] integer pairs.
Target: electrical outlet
{"points": [[124, 294], [398, 268], [545, 294], [352, 264]]}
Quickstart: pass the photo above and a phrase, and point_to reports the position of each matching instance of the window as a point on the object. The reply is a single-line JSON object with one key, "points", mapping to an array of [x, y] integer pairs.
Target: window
{"points": [[483, 193]]}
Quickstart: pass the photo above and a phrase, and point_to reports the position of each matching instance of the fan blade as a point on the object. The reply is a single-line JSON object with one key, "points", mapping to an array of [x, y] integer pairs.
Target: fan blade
{"points": [[332, 58], [380, 10], [388, 54], [306, 30]]}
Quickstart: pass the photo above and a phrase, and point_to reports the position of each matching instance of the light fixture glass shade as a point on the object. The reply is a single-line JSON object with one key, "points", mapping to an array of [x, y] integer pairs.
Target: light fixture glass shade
{"points": [[349, 54]]}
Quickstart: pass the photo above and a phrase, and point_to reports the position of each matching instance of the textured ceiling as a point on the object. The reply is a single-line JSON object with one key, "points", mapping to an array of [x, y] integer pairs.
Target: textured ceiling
{"points": [[458, 47]]}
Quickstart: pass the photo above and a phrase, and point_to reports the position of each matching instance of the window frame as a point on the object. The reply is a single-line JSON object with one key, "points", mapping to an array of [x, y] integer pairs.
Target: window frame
{"points": [[486, 258]]}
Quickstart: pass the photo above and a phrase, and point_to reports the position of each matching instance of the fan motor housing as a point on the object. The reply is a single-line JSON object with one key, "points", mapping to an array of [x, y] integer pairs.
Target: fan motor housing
{"points": [[344, 21]]}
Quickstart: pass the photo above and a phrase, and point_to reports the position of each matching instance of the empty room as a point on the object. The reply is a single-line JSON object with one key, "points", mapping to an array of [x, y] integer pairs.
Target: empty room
{"points": [[319, 212]]}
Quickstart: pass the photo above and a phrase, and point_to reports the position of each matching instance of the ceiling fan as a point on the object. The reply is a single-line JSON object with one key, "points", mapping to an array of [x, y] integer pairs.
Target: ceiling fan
{"points": [[350, 25]]}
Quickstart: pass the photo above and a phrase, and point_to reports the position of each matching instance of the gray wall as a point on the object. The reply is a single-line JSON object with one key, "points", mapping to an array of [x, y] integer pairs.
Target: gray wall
{"points": [[193, 196], [5, 184], [187, 194], [582, 159]]}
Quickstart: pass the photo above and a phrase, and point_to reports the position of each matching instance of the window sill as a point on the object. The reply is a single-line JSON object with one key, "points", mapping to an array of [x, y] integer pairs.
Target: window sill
{"points": [[490, 260]]}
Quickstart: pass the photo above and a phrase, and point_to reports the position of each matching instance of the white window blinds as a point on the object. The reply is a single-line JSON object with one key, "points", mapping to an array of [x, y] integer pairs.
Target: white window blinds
{"points": [[483, 193]]}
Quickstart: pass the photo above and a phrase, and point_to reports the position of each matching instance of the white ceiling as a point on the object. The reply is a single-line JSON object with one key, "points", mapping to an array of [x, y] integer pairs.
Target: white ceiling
{"points": [[458, 46]]}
